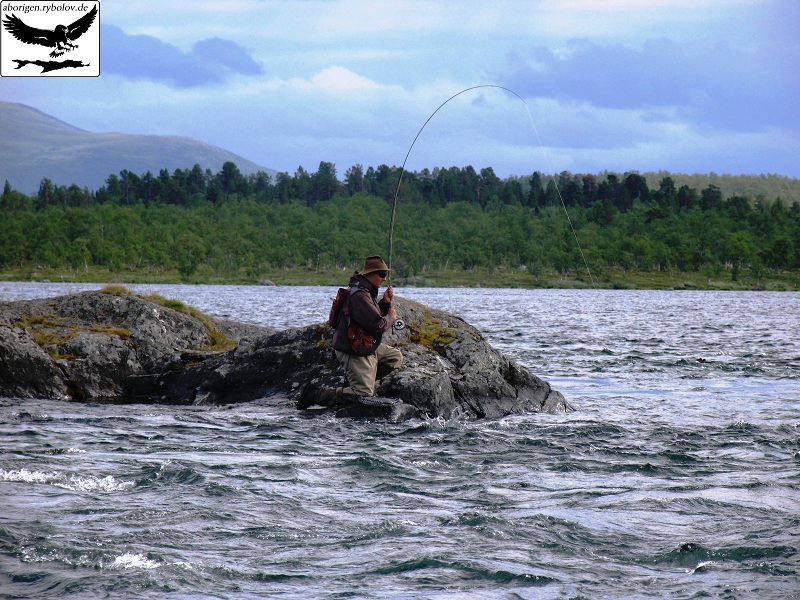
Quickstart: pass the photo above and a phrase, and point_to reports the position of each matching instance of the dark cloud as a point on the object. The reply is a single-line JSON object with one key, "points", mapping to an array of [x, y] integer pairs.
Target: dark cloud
{"points": [[145, 57], [717, 84]]}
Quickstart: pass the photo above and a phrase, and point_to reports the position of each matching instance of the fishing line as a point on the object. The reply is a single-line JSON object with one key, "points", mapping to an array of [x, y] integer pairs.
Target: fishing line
{"points": [[541, 146]]}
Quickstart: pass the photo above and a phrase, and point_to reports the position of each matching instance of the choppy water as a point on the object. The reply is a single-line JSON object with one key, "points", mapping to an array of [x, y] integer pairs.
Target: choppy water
{"points": [[677, 477]]}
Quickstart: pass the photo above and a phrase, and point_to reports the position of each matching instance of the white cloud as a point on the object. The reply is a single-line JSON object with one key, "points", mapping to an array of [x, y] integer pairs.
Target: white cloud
{"points": [[341, 79]]}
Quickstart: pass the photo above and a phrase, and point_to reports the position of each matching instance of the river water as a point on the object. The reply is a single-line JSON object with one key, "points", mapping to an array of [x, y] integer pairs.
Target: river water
{"points": [[678, 475]]}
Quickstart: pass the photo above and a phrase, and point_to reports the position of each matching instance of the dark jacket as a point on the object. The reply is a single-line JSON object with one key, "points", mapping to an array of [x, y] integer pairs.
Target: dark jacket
{"points": [[364, 310]]}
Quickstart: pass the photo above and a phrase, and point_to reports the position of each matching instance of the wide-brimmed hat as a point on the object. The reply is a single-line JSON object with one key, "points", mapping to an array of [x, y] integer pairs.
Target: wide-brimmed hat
{"points": [[372, 264]]}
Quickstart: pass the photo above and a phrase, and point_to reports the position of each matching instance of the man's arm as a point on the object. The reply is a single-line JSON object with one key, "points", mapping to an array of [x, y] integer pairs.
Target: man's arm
{"points": [[371, 317]]}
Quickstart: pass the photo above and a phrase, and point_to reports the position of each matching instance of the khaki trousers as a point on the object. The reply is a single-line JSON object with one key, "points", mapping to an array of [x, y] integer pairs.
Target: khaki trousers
{"points": [[361, 371]]}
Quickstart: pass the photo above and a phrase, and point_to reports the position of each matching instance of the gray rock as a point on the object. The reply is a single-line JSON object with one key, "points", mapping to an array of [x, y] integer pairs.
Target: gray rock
{"points": [[91, 343], [94, 345], [26, 370], [239, 331], [97, 365], [452, 370]]}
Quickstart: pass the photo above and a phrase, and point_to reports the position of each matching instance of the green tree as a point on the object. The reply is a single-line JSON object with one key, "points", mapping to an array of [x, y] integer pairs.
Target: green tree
{"points": [[230, 180], [490, 184], [12, 200], [611, 190], [45, 195], [551, 197], [535, 191], [636, 188], [667, 194], [129, 184], [324, 184], [589, 189], [711, 197], [354, 180], [511, 192], [196, 181], [687, 197]]}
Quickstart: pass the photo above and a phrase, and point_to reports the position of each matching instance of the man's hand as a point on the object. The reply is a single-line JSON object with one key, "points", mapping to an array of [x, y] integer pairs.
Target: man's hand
{"points": [[388, 295], [392, 315]]}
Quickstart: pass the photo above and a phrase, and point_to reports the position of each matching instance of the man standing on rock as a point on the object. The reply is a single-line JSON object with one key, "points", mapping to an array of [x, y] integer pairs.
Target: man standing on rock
{"points": [[376, 318]]}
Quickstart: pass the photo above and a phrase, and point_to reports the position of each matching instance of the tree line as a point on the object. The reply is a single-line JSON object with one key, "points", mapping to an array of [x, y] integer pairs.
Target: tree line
{"points": [[226, 223]]}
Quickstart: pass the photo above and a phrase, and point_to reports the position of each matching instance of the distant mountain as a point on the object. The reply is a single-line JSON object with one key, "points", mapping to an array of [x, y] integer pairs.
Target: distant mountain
{"points": [[34, 145]]}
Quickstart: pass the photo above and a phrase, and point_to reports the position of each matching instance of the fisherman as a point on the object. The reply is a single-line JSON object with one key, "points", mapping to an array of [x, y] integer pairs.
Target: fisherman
{"points": [[376, 318]]}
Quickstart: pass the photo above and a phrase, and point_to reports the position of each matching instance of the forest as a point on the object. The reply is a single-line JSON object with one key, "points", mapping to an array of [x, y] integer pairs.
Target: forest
{"points": [[228, 226]]}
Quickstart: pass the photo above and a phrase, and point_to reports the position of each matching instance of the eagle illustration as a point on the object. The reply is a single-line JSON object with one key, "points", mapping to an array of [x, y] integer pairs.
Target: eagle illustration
{"points": [[60, 38]]}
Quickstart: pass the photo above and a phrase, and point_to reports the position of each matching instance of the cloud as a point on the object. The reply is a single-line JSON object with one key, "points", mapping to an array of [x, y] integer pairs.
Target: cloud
{"points": [[738, 87], [341, 79], [688, 85], [228, 54], [209, 62]]}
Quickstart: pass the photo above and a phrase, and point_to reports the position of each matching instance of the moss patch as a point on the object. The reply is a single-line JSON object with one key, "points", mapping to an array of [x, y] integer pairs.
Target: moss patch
{"points": [[50, 332], [321, 337], [115, 290], [120, 332], [429, 331]]}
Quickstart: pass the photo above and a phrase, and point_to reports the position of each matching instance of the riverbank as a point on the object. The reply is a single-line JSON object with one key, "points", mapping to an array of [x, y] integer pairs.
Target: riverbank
{"points": [[497, 277]]}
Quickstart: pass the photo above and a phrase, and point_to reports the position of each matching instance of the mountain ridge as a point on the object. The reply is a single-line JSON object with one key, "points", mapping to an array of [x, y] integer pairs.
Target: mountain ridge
{"points": [[35, 145]]}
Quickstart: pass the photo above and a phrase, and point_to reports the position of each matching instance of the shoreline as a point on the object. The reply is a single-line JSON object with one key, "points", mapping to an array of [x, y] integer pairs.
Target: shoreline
{"points": [[497, 277]]}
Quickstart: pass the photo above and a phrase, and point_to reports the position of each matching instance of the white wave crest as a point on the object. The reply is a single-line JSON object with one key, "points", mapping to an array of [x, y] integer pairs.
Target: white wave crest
{"points": [[134, 561], [701, 566], [92, 483], [26, 476], [78, 483]]}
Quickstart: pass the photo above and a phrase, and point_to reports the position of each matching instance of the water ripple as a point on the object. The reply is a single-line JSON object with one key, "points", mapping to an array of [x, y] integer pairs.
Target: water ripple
{"points": [[676, 477]]}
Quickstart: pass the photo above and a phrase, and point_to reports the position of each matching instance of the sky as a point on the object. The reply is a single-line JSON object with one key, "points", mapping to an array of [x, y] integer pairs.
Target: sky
{"points": [[586, 86]]}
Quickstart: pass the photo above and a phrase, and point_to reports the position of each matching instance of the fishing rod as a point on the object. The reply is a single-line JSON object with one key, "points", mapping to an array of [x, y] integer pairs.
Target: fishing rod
{"points": [[541, 146]]}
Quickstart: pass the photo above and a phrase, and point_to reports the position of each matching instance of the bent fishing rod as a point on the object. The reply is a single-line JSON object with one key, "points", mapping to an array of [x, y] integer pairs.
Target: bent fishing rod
{"points": [[541, 146]]}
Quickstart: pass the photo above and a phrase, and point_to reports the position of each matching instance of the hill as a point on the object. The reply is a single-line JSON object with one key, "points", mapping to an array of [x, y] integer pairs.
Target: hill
{"points": [[34, 146], [766, 187]]}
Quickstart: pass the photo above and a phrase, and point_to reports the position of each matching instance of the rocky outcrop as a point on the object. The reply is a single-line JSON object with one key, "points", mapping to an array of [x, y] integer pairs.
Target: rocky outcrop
{"points": [[120, 347], [87, 346]]}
